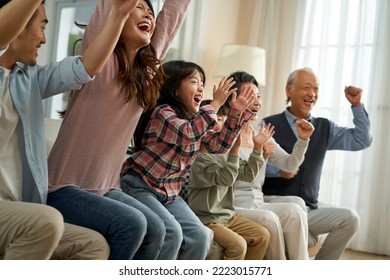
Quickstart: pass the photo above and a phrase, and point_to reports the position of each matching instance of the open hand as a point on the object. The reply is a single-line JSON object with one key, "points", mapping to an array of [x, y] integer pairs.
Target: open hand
{"points": [[265, 133], [244, 100], [222, 92]]}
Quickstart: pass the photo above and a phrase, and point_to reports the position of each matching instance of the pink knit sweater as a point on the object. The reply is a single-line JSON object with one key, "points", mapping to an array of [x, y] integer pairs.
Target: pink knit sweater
{"points": [[99, 125]]}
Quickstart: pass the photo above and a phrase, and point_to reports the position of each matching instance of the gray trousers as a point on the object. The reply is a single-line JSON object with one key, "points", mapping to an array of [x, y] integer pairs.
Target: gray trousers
{"points": [[340, 225]]}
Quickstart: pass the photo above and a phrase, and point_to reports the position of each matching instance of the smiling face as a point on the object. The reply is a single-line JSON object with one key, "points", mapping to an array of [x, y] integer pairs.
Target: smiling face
{"points": [[190, 92], [25, 47], [139, 27], [257, 101], [303, 93]]}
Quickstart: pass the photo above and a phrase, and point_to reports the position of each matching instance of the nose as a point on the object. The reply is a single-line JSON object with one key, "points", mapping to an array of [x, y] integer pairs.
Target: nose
{"points": [[43, 41], [312, 93], [148, 15]]}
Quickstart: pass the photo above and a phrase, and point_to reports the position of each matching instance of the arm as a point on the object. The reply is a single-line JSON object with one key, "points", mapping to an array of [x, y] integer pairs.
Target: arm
{"points": [[214, 170], [101, 48], [168, 23], [238, 116], [249, 170], [221, 142], [13, 19], [167, 127], [352, 139], [290, 162]]}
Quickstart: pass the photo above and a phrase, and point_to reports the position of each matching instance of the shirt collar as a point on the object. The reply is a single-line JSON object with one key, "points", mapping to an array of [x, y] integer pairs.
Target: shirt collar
{"points": [[292, 119]]}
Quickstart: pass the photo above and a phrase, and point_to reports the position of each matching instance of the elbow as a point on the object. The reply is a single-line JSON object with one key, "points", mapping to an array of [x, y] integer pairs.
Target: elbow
{"points": [[361, 145]]}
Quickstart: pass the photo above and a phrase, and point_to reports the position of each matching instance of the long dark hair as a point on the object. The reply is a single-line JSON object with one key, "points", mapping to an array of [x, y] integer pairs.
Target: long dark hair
{"points": [[140, 78], [176, 71]]}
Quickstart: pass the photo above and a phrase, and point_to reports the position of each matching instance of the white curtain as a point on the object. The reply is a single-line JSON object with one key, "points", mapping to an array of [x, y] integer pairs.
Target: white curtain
{"points": [[346, 42]]}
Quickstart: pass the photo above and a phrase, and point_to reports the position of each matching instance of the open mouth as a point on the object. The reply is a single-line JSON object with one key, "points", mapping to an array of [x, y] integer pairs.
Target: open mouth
{"points": [[198, 99], [308, 101], [144, 26]]}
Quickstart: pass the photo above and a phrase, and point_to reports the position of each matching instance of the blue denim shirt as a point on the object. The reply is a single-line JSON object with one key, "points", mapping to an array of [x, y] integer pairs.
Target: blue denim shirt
{"points": [[340, 138], [28, 86]]}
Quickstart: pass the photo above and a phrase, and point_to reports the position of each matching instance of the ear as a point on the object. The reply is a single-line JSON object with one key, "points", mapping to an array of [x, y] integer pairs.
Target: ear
{"points": [[289, 89]]}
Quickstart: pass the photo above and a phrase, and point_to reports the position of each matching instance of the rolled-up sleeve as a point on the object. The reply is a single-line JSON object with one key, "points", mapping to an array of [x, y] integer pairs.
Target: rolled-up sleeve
{"points": [[68, 74]]}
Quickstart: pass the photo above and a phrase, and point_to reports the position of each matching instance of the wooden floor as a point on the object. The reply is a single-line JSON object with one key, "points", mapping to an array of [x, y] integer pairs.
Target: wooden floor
{"points": [[355, 255]]}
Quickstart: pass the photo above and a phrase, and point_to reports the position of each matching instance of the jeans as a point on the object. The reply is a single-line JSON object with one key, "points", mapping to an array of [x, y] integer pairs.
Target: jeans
{"points": [[186, 237], [132, 230]]}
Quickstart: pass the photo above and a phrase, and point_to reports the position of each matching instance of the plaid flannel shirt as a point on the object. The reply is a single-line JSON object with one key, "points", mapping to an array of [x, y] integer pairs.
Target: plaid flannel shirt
{"points": [[170, 145]]}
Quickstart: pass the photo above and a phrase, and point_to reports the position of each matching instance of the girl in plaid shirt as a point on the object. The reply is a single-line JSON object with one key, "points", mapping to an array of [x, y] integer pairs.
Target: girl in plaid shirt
{"points": [[167, 141]]}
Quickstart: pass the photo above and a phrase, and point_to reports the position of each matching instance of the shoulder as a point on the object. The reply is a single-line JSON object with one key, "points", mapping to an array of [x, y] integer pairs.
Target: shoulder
{"points": [[272, 117], [161, 109]]}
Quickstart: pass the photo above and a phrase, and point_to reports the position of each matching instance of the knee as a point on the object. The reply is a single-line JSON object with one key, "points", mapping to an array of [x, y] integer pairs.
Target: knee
{"points": [[270, 220], [263, 237], [174, 232], [202, 237], [295, 212], [352, 220], [97, 246], [298, 201], [157, 229], [240, 247], [133, 225], [50, 223]]}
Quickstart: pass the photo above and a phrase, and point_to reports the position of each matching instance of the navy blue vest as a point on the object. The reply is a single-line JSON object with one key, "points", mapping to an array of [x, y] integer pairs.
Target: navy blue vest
{"points": [[306, 183]]}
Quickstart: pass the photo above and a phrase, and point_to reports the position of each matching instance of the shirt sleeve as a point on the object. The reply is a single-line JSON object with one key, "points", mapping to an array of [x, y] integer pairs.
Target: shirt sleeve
{"points": [[210, 171], [249, 169], [167, 127], [351, 139], [68, 74], [222, 141]]}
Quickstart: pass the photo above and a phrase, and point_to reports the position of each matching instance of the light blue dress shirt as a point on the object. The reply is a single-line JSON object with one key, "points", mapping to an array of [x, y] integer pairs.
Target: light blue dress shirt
{"points": [[28, 86], [340, 138]]}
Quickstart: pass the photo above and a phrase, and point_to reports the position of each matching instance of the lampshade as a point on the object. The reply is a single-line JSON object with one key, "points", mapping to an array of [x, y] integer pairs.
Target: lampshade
{"points": [[241, 58]]}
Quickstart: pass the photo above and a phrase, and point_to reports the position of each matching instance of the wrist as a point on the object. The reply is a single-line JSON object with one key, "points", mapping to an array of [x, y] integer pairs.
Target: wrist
{"points": [[216, 105], [304, 138], [258, 148], [357, 104]]}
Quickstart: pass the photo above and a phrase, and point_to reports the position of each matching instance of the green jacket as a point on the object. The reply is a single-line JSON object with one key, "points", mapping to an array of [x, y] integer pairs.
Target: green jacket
{"points": [[211, 187]]}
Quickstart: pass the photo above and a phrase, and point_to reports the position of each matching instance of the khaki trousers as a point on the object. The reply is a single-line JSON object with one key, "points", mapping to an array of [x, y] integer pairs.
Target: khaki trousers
{"points": [[30, 231], [241, 238]]}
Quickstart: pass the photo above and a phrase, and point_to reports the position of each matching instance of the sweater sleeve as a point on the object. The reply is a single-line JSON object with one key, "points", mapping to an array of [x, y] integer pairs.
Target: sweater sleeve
{"points": [[249, 169], [168, 23], [97, 22], [214, 170], [289, 162]]}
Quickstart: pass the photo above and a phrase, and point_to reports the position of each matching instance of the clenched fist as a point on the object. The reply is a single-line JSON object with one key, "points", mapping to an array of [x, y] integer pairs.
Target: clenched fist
{"points": [[354, 95], [304, 128]]}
